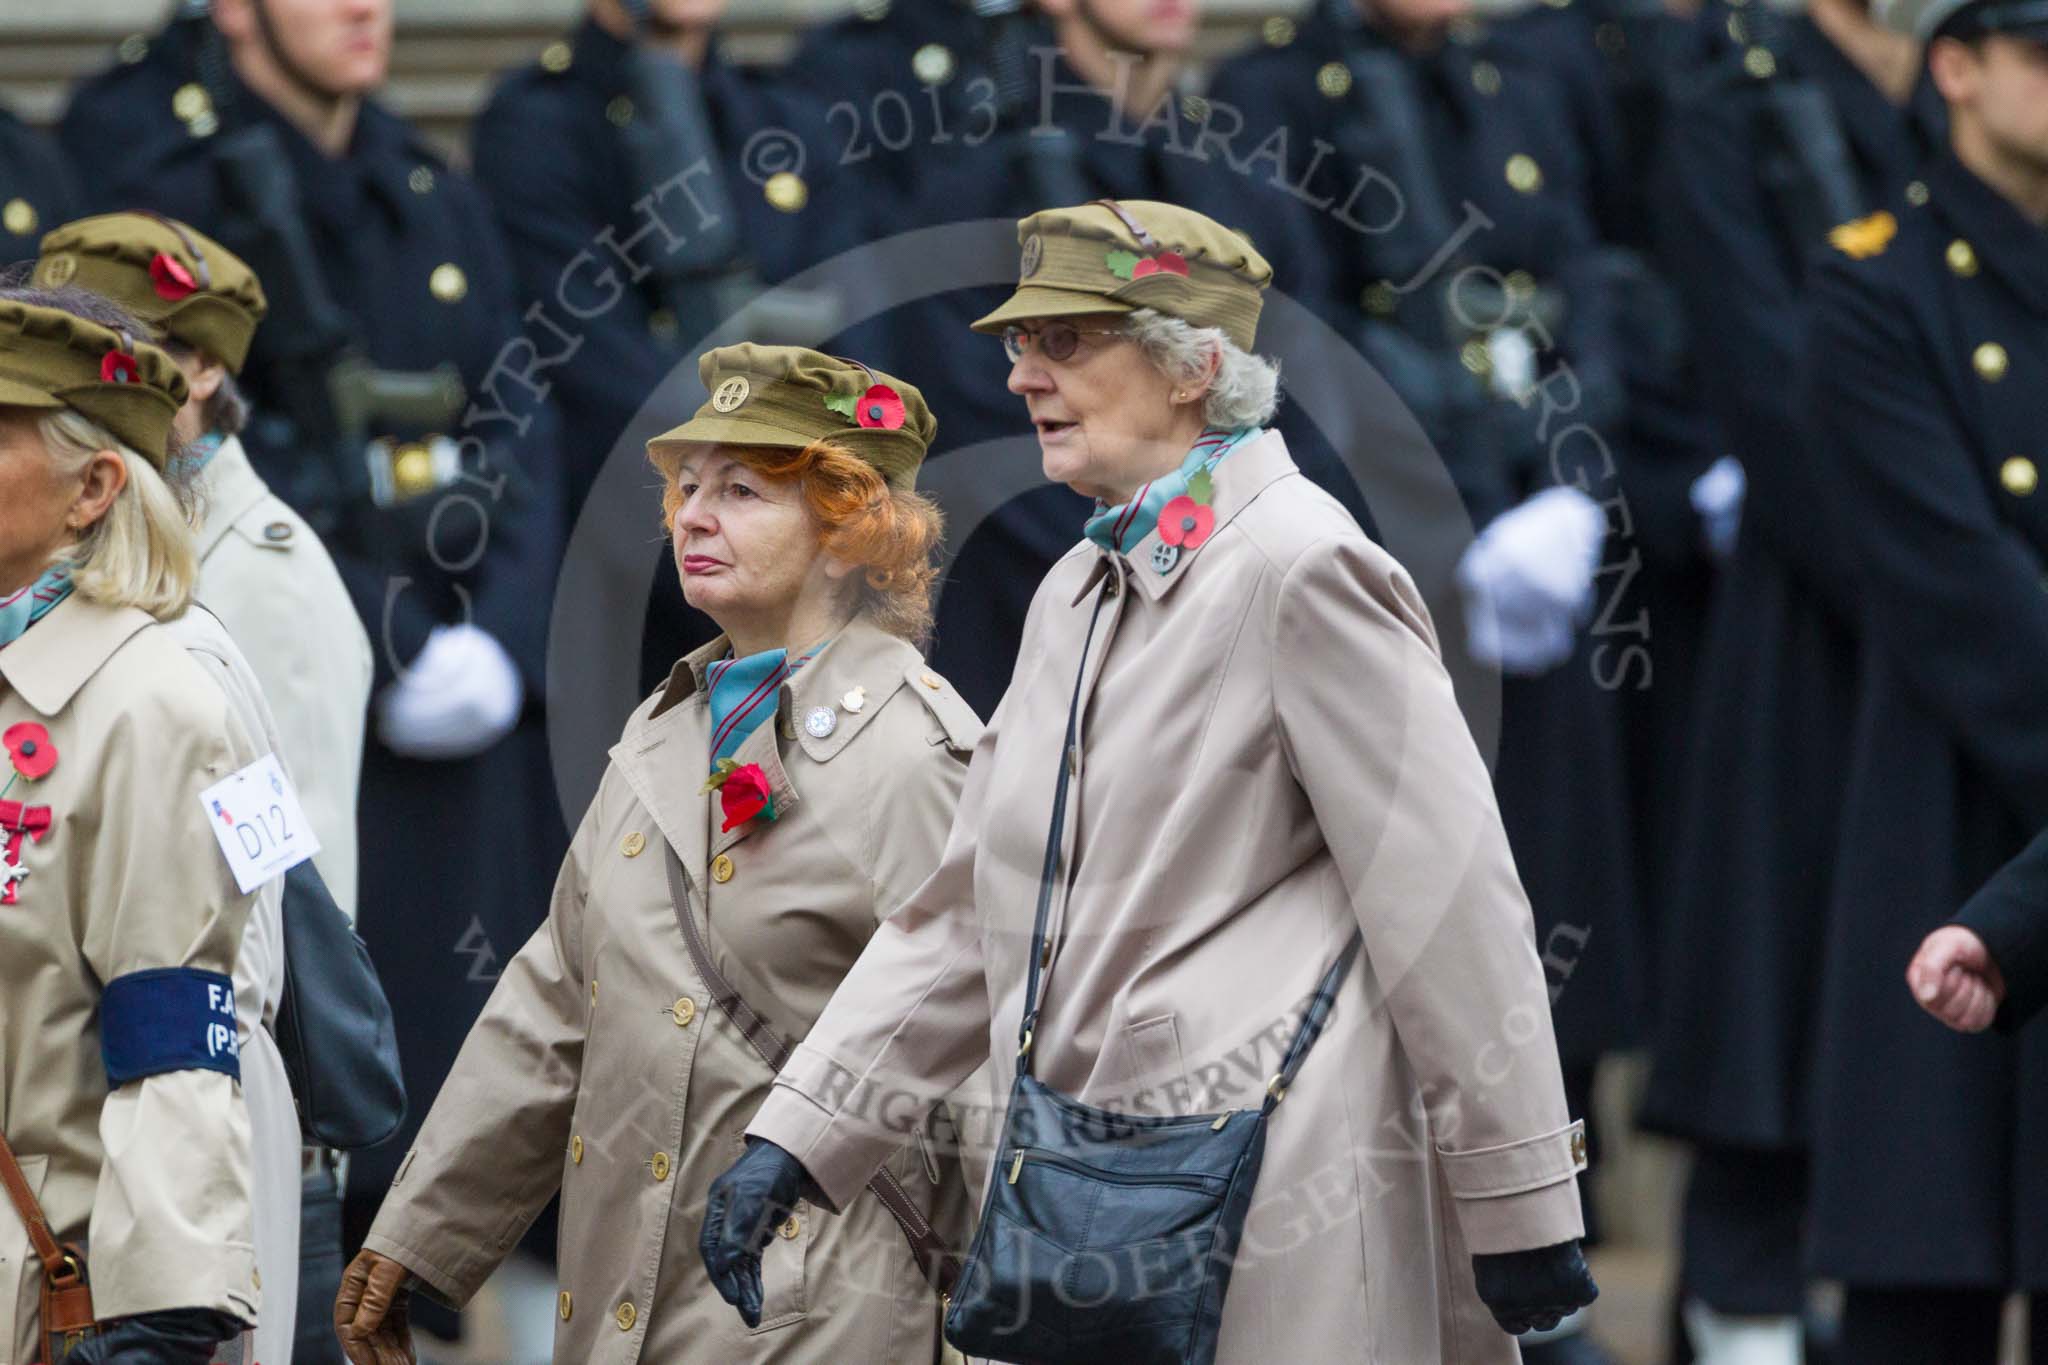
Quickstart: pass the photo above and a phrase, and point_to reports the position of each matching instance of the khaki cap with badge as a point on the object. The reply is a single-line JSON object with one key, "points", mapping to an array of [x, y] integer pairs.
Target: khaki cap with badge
{"points": [[1113, 256], [1965, 19], [51, 359], [788, 396], [169, 275]]}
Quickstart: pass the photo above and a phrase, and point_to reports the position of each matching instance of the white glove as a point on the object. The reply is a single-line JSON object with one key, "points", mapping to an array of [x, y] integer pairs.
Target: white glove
{"points": [[461, 696], [1717, 497], [1528, 580]]}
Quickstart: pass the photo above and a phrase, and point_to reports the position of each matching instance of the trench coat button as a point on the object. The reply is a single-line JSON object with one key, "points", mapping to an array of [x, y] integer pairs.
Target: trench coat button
{"points": [[2019, 476], [683, 1011], [791, 1226], [576, 1151], [721, 869], [660, 1166], [626, 1316], [632, 844], [931, 680], [565, 1305], [1579, 1148], [1962, 258], [1990, 360]]}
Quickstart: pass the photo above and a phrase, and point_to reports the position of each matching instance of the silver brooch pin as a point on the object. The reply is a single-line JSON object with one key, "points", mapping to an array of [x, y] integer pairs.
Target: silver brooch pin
{"points": [[855, 700], [821, 721]]}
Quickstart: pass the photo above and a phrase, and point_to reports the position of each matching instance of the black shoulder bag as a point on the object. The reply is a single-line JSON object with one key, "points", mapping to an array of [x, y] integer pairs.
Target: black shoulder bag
{"points": [[1108, 1239]]}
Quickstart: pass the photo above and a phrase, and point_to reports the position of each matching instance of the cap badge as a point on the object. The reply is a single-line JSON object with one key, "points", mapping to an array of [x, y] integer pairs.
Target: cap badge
{"points": [[1034, 256], [730, 394]]}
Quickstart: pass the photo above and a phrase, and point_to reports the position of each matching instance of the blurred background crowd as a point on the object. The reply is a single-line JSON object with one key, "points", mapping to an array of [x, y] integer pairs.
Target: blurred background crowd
{"points": [[1744, 588]]}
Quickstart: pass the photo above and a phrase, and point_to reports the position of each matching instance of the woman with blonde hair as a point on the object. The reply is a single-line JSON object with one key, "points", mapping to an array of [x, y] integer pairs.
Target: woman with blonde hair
{"points": [[120, 1061], [763, 812]]}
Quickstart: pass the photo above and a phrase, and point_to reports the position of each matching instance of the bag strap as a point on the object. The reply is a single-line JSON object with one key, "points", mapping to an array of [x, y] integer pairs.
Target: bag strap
{"points": [[938, 1265], [59, 1271], [1312, 1021]]}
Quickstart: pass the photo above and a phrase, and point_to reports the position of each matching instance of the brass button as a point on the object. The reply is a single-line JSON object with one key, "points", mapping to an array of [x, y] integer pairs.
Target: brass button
{"points": [[189, 101], [448, 283], [632, 844], [1379, 299], [931, 680], [660, 1166], [19, 217], [786, 192], [1991, 361], [565, 1305], [791, 1226], [412, 469], [1278, 31], [1195, 108], [933, 64], [556, 57], [2019, 476], [1579, 1147], [1486, 78], [1917, 193], [421, 180], [1759, 62], [721, 869], [1524, 175], [1334, 80], [619, 111], [683, 1011], [626, 1316], [576, 1151], [1962, 258]]}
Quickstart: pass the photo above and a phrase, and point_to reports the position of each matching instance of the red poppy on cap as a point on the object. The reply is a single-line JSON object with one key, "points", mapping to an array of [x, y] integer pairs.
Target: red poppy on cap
{"points": [[881, 406], [29, 749], [1165, 263], [172, 280], [1186, 522], [118, 367]]}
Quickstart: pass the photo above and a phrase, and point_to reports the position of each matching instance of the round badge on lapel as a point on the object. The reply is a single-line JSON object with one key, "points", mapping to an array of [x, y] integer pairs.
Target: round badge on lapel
{"points": [[855, 700], [820, 722], [1165, 556]]}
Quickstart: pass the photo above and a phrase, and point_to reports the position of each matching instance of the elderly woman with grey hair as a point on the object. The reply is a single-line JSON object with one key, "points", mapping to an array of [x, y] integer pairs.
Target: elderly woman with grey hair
{"points": [[1261, 792]]}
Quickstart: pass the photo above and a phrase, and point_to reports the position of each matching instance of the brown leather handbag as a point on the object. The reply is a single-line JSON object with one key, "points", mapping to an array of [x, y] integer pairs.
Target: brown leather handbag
{"points": [[67, 1316]]}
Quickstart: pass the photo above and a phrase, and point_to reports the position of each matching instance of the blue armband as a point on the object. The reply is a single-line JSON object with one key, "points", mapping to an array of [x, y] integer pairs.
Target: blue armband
{"points": [[168, 1019]]}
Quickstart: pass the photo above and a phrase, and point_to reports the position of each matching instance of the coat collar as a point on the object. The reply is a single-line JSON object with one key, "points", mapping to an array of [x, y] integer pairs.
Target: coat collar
{"points": [[1247, 472], [2009, 245], [228, 488], [61, 652]]}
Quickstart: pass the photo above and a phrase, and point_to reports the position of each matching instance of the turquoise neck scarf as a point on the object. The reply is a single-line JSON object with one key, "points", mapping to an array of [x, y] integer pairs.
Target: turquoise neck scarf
{"points": [[743, 695], [1118, 528], [33, 603], [199, 452]]}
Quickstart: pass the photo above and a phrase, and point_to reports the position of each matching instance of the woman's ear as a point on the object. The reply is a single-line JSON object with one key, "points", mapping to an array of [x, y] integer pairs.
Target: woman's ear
{"points": [[836, 568], [106, 474], [204, 379]]}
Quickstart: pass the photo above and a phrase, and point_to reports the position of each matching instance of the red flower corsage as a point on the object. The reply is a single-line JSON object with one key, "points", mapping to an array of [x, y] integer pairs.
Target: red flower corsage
{"points": [[119, 367], [29, 749], [172, 280], [881, 406], [1165, 263], [1185, 522], [742, 793]]}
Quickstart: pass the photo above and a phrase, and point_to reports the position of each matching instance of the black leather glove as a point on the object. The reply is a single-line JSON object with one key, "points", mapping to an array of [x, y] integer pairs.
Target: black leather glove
{"points": [[176, 1336], [1533, 1291], [741, 1213]]}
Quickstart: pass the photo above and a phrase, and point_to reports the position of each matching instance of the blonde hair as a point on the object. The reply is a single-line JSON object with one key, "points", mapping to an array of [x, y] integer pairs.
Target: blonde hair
{"points": [[141, 552]]}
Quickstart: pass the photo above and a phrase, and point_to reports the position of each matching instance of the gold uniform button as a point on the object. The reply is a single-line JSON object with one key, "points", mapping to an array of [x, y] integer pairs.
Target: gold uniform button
{"points": [[19, 217], [786, 191], [933, 64], [1379, 299], [1917, 193], [1278, 31], [620, 113], [189, 101], [721, 869], [683, 1011], [448, 283], [1962, 258], [660, 1166], [626, 1316], [412, 470], [1334, 80], [575, 1157], [632, 844], [1759, 63], [791, 1227], [1194, 108], [556, 57], [421, 181], [1524, 175], [931, 680], [565, 1305], [2019, 476], [1486, 78], [1990, 361]]}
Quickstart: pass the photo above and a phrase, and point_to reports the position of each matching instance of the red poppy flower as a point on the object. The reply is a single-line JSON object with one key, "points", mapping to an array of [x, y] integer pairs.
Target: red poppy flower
{"points": [[881, 406], [1186, 522], [1165, 263], [172, 280], [29, 749], [744, 795], [118, 367]]}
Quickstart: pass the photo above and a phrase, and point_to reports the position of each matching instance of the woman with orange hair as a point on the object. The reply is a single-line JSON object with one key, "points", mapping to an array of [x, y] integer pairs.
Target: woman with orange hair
{"points": [[786, 790]]}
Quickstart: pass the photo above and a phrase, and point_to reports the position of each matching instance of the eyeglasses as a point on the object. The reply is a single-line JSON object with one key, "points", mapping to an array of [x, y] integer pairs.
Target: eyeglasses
{"points": [[1056, 341]]}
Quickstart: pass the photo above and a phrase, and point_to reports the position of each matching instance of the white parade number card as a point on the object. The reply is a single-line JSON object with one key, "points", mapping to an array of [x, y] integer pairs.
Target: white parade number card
{"points": [[258, 823]]}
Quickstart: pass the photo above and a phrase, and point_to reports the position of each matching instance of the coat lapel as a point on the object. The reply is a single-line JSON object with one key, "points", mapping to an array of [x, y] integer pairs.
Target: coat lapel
{"points": [[764, 747]]}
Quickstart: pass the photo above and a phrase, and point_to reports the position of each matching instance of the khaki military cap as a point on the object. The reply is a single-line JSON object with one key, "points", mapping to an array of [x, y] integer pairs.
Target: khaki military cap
{"points": [[1923, 19], [51, 359], [789, 396], [169, 275], [1114, 257]]}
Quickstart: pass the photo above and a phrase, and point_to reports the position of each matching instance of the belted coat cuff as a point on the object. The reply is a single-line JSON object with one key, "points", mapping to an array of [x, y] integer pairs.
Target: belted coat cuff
{"points": [[1521, 1194]]}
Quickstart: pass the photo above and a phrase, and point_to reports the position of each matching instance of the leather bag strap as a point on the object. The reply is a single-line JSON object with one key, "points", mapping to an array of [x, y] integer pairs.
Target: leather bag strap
{"points": [[939, 1266], [24, 1201]]}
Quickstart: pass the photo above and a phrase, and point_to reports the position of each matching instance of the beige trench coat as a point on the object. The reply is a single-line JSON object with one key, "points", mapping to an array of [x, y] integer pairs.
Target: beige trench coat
{"points": [[602, 1067], [1270, 756], [265, 574], [128, 878]]}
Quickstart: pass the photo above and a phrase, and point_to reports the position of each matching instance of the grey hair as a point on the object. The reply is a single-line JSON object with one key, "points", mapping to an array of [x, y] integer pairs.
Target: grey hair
{"points": [[1246, 389]]}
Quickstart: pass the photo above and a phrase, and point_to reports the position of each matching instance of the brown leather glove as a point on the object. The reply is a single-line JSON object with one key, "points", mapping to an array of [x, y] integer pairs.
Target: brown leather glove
{"points": [[371, 1312]]}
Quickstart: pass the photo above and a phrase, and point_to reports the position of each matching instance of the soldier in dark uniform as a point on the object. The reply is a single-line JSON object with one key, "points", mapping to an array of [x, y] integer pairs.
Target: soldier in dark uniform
{"points": [[431, 475], [1796, 122], [36, 192], [1496, 187], [1929, 389]]}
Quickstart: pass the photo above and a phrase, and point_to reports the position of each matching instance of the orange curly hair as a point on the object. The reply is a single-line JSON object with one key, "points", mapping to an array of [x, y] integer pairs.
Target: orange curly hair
{"points": [[889, 532]]}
